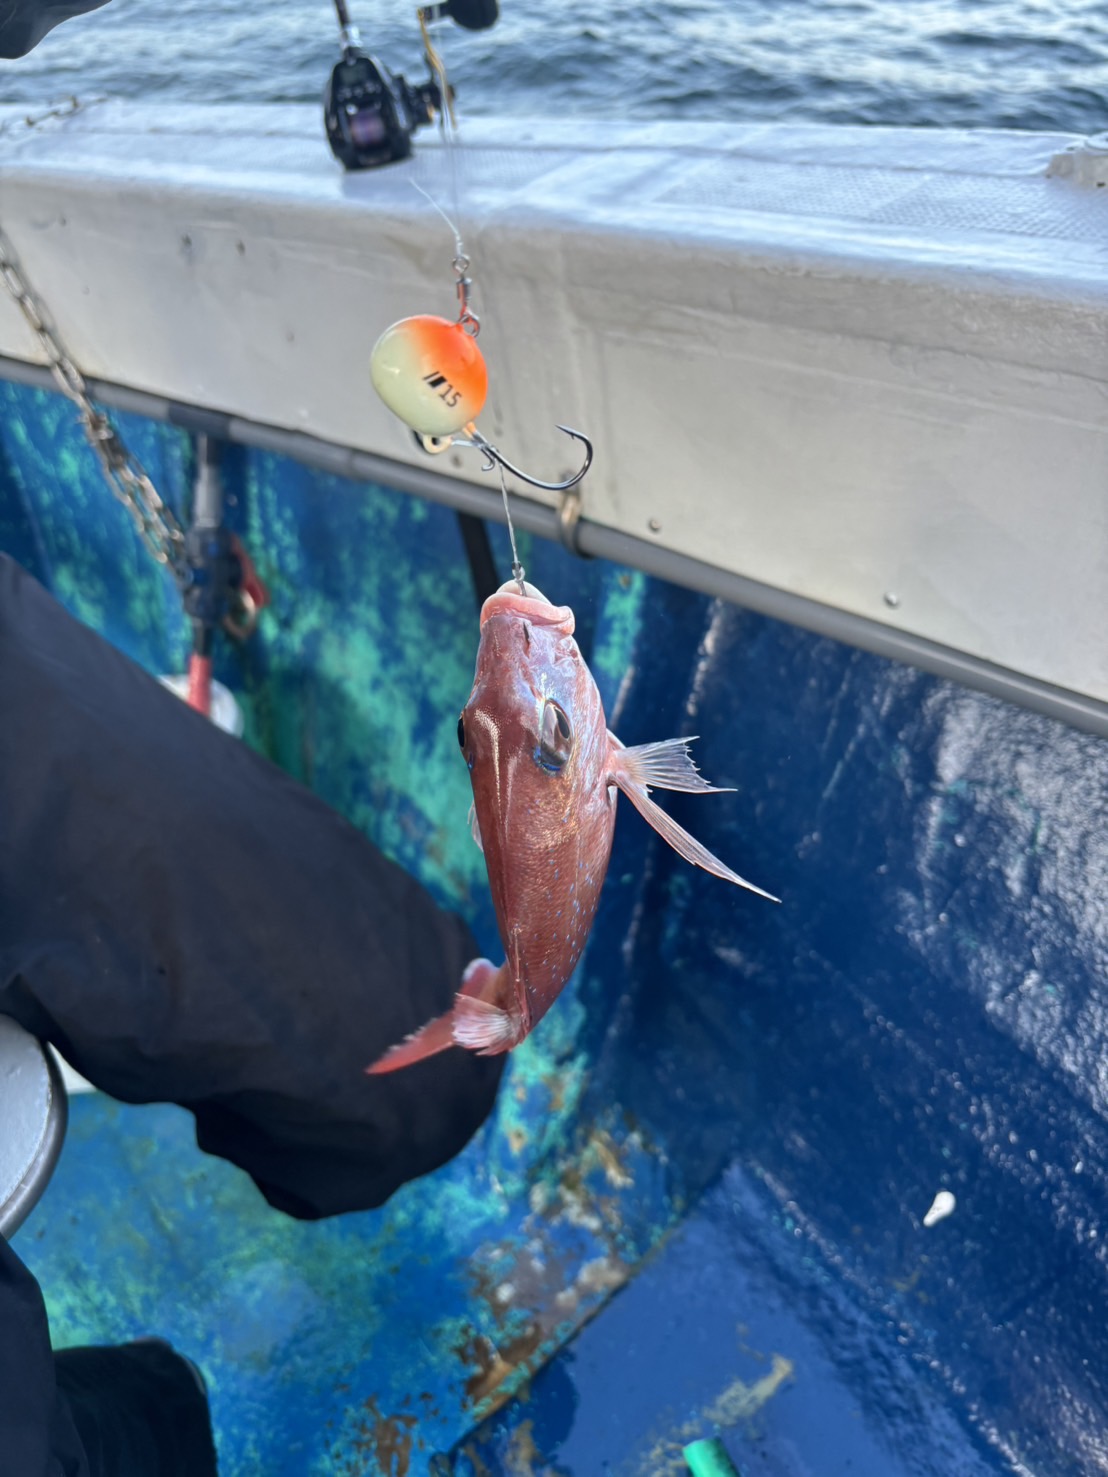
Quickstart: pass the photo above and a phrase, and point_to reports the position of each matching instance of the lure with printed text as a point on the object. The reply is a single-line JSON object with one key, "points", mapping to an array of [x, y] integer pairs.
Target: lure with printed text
{"points": [[433, 377], [545, 773]]}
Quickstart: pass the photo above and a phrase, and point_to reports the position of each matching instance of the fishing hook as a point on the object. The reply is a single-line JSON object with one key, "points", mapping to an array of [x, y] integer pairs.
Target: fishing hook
{"points": [[473, 437], [496, 457]]}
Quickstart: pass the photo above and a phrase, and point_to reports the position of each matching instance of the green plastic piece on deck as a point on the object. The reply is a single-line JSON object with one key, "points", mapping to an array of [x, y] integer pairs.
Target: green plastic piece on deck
{"points": [[709, 1459]]}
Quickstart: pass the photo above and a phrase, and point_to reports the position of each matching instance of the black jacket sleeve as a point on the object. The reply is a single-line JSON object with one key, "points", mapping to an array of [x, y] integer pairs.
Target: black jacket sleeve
{"points": [[187, 924]]}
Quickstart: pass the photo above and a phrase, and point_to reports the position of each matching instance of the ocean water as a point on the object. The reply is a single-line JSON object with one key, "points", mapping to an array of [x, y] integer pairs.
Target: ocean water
{"points": [[1027, 64]]}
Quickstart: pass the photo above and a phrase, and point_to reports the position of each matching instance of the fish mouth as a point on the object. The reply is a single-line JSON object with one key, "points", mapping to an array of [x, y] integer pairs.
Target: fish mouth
{"points": [[532, 606]]}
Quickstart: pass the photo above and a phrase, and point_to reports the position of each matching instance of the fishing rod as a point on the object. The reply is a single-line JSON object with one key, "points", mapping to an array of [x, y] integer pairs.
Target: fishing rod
{"points": [[370, 113]]}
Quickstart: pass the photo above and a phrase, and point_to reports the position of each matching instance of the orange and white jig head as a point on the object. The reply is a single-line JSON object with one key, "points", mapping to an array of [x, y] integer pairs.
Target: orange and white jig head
{"points": [[431, 374]]}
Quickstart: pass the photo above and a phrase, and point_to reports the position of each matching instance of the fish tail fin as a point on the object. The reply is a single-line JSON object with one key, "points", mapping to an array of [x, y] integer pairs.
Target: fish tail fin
{"points": [[479, 980], [485, 1028], [474, 1021], [429, 1040], [480, 1021], [634, 787]]}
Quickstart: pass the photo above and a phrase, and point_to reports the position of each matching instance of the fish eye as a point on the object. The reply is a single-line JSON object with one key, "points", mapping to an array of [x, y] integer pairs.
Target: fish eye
{"points": [[462, 731], [556, 738]]}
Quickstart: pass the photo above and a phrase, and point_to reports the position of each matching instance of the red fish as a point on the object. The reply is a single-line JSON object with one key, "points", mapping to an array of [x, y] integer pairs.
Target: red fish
{"points": [[545, 774]]}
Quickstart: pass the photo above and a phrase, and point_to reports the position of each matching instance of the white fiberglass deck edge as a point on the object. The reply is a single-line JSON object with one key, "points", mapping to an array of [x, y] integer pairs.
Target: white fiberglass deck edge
{"points": [[865, 367]]}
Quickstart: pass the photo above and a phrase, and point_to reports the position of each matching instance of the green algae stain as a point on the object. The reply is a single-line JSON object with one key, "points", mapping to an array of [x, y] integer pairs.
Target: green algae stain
{"points": [[622, 612], [359, 679], [539, 1097], [85, 538]]}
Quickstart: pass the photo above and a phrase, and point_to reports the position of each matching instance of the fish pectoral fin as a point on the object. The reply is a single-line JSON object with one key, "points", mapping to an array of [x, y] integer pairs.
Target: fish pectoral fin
{"points": [[474, 828], [666, 766], [483, 1027], [684, 844]]}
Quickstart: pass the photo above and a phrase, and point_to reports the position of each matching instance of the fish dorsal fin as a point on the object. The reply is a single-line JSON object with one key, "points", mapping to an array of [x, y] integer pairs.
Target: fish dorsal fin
{"points": [[666, 766], [632, 780], [474, 828]]}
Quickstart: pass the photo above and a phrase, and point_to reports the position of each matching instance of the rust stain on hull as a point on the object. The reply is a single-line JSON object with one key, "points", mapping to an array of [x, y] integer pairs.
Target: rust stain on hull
{"points": [[536, 1288], [388, 1440]]}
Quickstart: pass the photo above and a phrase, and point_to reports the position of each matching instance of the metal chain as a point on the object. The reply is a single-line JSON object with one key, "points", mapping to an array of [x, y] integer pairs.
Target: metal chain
{"points": [[155, 521]]}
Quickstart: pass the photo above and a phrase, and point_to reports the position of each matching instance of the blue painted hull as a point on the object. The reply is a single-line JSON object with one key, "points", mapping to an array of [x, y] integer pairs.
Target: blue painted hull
{"points": [[780, 1091]]}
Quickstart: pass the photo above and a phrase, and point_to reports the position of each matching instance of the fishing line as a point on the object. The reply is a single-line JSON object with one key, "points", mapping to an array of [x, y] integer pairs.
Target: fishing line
{"points": [[438, 67], [518, 570], [469, 321], [459, 244], [431, 373], [450, 135]]}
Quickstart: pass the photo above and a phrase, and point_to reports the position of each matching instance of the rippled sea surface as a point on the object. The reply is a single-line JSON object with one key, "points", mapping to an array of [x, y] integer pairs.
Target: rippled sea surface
{"points": [[1029, 64]]}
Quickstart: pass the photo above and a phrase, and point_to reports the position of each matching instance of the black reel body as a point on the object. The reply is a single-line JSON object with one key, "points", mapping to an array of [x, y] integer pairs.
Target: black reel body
{"points": [[371, 113]]}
